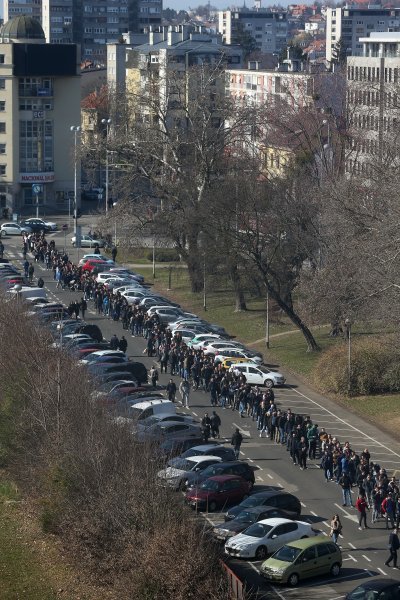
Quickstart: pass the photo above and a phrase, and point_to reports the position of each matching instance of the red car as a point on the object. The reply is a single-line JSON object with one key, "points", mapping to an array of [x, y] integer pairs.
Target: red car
{"points": [[217, 492], [92, 263]]}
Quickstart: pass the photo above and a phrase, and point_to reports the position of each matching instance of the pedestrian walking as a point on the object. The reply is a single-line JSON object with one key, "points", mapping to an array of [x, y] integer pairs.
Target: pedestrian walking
{"points": [[171, 390], [114, 342], [394, 545], [123, 344], [215, 424], [206, 427], [83, 305], [336, 528], [31, 270], [362, 506], [236, 441], [345, 483], [153, 374], [184, 390], [388, 507], [302, 449]]}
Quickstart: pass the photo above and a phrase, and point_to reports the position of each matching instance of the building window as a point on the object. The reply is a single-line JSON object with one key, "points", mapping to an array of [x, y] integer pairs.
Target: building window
{"points": [[2, 148], [2, 127], [36, 146], [3, 169], [1, 59], [2, 105], [2, 83]]}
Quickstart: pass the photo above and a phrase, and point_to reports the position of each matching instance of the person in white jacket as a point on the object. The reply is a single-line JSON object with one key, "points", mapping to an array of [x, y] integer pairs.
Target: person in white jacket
{"points": [[184, 390]]}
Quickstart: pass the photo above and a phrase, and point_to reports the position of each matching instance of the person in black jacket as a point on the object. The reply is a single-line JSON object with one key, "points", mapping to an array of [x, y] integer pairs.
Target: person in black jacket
{"points": [[215, 424], [394, 545], [236, 441]]}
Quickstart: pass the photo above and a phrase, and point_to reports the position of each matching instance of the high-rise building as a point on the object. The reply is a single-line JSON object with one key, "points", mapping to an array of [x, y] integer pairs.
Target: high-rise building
{"points": [[15, 8], [39, 102], [268, 29], [372, 104], [348, 24]]}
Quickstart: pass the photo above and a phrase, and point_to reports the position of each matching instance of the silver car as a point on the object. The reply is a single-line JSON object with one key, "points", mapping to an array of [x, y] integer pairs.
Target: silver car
{"points": [[14, 229], [160, 432]]}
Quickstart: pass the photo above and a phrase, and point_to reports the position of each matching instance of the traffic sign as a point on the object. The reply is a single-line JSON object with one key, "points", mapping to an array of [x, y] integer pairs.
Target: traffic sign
{"points": [[65, 227], [36, 188]]}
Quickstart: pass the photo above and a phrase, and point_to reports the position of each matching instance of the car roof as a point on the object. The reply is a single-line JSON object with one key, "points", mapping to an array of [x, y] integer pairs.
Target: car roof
{"points": [[206, 447], [247, 364], [308, 542], [233, 462], [222, 478], [259, 509], [203, 458], [378, 584], [275, 521], [270, 493]]}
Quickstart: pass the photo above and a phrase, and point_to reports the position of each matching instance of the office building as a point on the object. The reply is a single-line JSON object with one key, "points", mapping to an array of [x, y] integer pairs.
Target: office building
{"points": [[39, 102], [350, 23], [268, 29], [372, 104]]}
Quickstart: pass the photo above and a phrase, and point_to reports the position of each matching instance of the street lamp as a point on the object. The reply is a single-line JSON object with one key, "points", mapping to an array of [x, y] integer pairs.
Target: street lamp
{"points": [[267, 323], [348, 331], [76, 130], [107, 123], [202, 245]]}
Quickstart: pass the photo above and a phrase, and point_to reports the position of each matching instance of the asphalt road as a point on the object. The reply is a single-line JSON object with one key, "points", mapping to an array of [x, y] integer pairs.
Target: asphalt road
{"points": [[364, 552]]}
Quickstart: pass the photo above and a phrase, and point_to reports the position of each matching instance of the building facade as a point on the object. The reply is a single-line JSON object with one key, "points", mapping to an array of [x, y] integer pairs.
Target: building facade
{"points": [[373, 93], [39, 102], [15, 8], [268, 29], [348, 24]]}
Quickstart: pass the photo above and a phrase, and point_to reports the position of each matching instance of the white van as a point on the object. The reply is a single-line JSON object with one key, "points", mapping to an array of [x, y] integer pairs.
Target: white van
{"points": [[27, 292], [142, 410], [258, 375]]}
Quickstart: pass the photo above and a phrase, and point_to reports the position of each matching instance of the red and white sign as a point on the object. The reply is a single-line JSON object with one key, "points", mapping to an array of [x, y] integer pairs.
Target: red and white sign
{"points": [[36, 177]]}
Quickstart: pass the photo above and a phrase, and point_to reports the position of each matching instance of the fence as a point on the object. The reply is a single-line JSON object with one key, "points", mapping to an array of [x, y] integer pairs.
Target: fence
{"points": [[236, 586]]}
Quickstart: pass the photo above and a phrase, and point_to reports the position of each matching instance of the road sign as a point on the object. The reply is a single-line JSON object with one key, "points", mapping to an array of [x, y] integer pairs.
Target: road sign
{"points": [[36, 188], [65, 227]]}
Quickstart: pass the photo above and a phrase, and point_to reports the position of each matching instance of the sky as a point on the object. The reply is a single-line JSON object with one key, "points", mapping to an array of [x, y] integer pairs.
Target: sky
{"points": [[220, 4]]}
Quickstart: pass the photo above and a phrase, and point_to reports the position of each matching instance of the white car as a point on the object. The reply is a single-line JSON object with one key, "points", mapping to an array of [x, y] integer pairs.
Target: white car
{"points": [[88, 241], [90, 256], [14, 229], [133, 296], [214, 345], [230, 352], [258, 374], [102, 277], [128, 288], [175, 474], [99, 354], [267, 536], [202, 340], [187, 334]]}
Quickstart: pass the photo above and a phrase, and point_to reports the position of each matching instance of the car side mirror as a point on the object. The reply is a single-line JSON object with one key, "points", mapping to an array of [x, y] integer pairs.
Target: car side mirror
{"points": [[274, 536]]}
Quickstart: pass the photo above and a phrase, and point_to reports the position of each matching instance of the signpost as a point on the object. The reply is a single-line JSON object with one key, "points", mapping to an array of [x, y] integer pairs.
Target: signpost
{"points": [[37, 189]]}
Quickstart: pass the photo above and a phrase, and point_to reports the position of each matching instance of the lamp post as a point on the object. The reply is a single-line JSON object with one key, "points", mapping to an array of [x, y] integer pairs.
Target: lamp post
{"points": [[202, 245], [348, 331], [107, 123], [76, 130], [267, 323]]}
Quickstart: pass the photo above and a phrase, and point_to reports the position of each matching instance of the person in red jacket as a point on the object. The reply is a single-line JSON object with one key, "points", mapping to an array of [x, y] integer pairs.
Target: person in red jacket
{"points": [[362, 506]]}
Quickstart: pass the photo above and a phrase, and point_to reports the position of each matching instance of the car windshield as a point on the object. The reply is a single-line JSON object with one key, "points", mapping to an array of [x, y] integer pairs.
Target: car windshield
{"points": [[363, 593], [149, 421], [181, 464], [287, 554], [212, 470], [211, 486], [246, 517], [258, 530], [251, 501], [107, 387]]}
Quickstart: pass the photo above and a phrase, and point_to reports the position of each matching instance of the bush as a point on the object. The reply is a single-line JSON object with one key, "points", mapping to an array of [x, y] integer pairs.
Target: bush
{"points": [[375, 368], [163, 255]]}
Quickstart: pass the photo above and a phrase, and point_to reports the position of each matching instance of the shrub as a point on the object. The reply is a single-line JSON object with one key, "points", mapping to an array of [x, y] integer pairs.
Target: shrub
{"points": [[374, 368], [163, 255]]}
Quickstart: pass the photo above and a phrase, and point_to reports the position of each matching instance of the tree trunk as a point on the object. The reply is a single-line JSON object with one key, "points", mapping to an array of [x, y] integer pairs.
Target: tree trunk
{"points": [[240, 302], [312, 345]]}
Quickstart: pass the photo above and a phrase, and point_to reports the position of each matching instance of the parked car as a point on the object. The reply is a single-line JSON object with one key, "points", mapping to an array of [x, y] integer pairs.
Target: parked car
{"points": [[267, 536], [178, 471], [275, 498], [170, 448], [377, 589], [225, 452], [259, 375], [104, 356], [198, 342], [217, 492], [14, 229], [211, 348], [223, 353], [94, 265], [302, 559], [149, 421], [168, 430], [247, 517], [87, 241], [239, 468]]}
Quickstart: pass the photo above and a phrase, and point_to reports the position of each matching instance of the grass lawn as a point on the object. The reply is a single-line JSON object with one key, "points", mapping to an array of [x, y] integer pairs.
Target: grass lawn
{"points": [[22, 575], [382, 410]]}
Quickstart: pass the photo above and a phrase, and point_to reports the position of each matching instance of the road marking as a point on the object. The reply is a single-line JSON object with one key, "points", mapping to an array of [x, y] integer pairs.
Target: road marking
{"points": [[348, 515], [195, 414], [313, 513], [352, 546], [326, 524], [352, 558], [366, 557], [242, 453], [259, 478], [303, 505], [344, 422], [270, 476], [277, 592], [260, 468], [253, 567], [246, 433], [382, 571], [250, 460]]}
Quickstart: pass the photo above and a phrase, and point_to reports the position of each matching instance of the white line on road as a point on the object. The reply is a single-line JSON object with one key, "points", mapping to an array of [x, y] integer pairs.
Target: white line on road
{"points": [[250, 460], [382, 571], [313, 513], [348, 515], [242, 431], [195, 414], [259, 478], [277, 592], [258, 467], [303, 505], [270, 476], [352, 546], [366, 557], [242, 453]]}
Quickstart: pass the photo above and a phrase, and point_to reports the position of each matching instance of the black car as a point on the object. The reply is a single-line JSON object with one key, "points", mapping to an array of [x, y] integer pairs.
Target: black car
{"points": [[226, 468], [274, 498], [37, 225], [136, 369], [171, 448], [212, 449], [247, 517], [378, 589]]}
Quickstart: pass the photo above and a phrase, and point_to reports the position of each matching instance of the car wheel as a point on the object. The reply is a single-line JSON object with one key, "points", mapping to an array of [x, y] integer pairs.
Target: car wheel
{"points": [[269, 383], [304, 537], [293, 580], [212, 506], [335, 569], [261, 553]]}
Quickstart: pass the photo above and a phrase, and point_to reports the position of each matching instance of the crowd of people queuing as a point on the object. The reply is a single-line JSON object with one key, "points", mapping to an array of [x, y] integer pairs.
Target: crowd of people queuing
{"points": [[228, 389]]}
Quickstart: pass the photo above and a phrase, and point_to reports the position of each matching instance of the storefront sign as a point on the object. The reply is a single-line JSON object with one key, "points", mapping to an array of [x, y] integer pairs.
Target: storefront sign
{"points": [[36, 177]]}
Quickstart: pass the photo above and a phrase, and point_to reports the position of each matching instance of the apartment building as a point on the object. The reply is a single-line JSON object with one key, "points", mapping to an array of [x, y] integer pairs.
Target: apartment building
{"points": [[373, 93], [15, 8], [350, 23], [268, 29], [39, 102]]}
